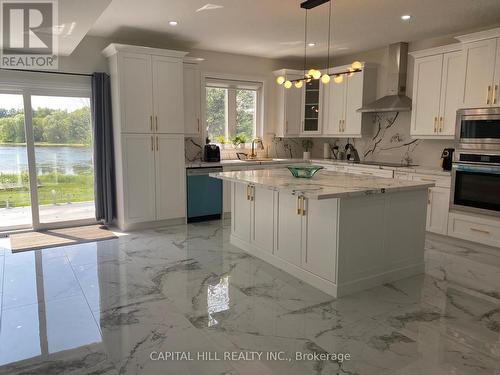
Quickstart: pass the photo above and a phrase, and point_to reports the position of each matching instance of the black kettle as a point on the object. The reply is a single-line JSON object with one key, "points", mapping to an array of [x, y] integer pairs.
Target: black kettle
{"points": [[447, 157]]}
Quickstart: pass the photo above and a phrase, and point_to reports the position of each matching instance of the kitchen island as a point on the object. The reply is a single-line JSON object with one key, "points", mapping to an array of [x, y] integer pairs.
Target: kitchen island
{"points": [[339, 232]]}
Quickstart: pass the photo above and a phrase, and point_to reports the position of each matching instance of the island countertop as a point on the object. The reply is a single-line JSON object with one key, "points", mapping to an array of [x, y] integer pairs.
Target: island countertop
{"points": [[324, 184]]}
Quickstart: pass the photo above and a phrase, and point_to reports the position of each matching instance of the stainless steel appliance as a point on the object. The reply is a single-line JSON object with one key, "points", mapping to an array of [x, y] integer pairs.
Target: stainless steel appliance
{"points": [[476, 182], [478, 129]]}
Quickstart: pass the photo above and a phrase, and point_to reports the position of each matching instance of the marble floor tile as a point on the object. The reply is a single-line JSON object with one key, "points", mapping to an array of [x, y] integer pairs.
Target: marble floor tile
{"points": [[105, 307], [45, 328]]}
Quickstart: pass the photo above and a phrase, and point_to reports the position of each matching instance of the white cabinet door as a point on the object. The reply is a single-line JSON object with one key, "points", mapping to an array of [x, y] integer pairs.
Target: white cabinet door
{"points": [[263, 219], [170, 176], [452, 87], [336, 108], [354, 101], [168, 95], [479, 72], [293, 109], [138, 177], [192, 101], [496, 82], [437, 210], [319, 239], [288, 244], [136, 93], [226, 196], [426, 95], [241, 211]]}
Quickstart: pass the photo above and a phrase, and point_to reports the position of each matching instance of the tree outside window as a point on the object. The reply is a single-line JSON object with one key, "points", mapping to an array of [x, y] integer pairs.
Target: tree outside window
{"points": [[231, 112]]}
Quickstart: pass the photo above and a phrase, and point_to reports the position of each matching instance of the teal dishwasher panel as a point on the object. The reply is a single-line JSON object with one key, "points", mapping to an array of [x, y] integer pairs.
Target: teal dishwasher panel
{"points": [[204, 195]]}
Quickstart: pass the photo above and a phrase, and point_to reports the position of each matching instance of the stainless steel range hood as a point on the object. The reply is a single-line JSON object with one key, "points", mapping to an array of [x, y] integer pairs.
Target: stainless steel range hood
{"points": [[396, 99]]}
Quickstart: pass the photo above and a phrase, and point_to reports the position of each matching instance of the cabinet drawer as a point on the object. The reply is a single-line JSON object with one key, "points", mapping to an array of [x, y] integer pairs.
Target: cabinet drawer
{"points": [[371, 172], [440, 181], [402, 175], [474, 228]]}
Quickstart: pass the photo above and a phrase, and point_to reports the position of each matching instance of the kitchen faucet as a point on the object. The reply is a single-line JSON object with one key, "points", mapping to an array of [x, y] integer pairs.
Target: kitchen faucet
{"points": [[253, 155]]}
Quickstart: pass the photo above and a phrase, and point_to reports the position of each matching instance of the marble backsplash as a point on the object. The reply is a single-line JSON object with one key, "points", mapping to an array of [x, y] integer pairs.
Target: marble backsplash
{"points": [[387, 138]]}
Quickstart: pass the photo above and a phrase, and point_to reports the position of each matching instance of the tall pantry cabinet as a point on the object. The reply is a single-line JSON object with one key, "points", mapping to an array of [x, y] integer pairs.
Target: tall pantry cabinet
{"points": [[148, 131]]}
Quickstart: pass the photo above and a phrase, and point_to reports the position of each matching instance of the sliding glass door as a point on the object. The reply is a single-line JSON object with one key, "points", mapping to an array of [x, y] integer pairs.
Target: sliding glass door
{"points": [[46, 163], [15, 200]]}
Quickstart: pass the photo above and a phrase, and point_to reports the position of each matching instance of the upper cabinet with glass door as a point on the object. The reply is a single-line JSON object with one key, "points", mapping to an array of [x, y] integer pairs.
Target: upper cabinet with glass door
{"points": [[311, 107], [482, 69]]}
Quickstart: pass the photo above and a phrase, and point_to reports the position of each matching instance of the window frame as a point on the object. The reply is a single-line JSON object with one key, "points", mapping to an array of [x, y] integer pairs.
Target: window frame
{"points": [[231, 80]]}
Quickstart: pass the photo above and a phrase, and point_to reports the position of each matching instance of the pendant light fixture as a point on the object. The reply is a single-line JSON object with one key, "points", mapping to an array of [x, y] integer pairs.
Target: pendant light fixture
{"points": [[315, 74]]}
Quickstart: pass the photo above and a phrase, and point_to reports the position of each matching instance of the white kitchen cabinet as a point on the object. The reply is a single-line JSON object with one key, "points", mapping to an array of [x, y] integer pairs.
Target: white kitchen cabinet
{"points": [[148, 121], [319, 237], [289, 229], [342, 101], [475, 228], [372, 172], [192, 101], [496, 81], [289, 102], [263, 207], [438, 205], [241, 211], [170, 176], [168, 99], [135, 93], [139, 177], [312, 104], [480, 73], [437, 88]]}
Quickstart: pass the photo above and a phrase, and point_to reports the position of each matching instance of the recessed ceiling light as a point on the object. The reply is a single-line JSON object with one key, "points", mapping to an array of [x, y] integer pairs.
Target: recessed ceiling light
{"points": [[311, 44], [405, 17], [173, 23]]}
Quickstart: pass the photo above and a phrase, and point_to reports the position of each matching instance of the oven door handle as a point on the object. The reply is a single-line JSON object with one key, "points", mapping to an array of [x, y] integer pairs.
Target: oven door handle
{"points": [[477, 168]]}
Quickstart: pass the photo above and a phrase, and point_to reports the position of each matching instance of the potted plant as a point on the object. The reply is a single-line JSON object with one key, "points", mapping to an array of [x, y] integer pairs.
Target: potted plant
{"points": [[239, 140], [307, 144], [221, 140]]}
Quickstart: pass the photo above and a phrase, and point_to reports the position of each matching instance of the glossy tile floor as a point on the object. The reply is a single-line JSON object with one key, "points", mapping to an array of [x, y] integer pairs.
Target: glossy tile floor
{"points": [[103, 308]]}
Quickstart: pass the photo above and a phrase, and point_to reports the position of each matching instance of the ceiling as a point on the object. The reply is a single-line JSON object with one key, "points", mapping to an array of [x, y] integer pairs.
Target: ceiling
{"points": [[275, 28]]}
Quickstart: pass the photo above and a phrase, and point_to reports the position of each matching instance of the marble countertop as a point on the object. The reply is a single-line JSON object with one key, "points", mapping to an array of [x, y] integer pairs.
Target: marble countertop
{"points": [[323, 185], [236, 162], [416, 169]]}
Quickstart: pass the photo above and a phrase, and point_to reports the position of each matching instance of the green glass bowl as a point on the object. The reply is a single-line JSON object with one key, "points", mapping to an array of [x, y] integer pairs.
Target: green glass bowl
{"points": [[304, 171]]}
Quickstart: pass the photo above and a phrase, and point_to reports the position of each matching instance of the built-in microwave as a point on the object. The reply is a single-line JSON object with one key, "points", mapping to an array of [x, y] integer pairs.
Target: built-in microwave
{"points": [[478, 128], [476, 182]]}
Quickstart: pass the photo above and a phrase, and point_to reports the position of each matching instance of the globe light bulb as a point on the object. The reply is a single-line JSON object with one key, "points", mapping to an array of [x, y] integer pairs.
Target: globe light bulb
{"points": [[280, 80], [338, 79], [356, 65], [310, 73], [325, 78], [288, 84], [299, 84], [316, 74]]}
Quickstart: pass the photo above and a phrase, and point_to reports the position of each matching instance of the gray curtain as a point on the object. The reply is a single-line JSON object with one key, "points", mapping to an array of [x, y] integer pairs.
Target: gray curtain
{"points": [[104, 162]]}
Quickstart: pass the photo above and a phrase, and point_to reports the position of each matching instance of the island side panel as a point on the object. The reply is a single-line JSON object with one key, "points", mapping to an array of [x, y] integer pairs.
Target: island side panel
{"points": [[381, 239]]}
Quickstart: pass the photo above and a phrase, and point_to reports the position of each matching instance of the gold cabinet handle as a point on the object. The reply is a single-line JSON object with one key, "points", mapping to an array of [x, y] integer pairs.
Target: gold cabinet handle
{"points": [[252, 193], [429, 197], [152, 148], [495, 89], [340, 127], [489, 94], [151, 122], [156, 120], [198, 124], [343, 126], [303, 206], [248, 192], [157, 146], [480, 230], [299, 207], [435, 124], [427, 179], [441, 124]]}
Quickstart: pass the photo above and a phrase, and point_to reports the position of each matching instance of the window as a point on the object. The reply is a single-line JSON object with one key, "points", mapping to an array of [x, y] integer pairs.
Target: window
{"points": [[232, 109]]}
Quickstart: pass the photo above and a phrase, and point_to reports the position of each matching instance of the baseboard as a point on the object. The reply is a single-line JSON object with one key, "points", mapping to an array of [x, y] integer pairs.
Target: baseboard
{"points": [[151, 224]]}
